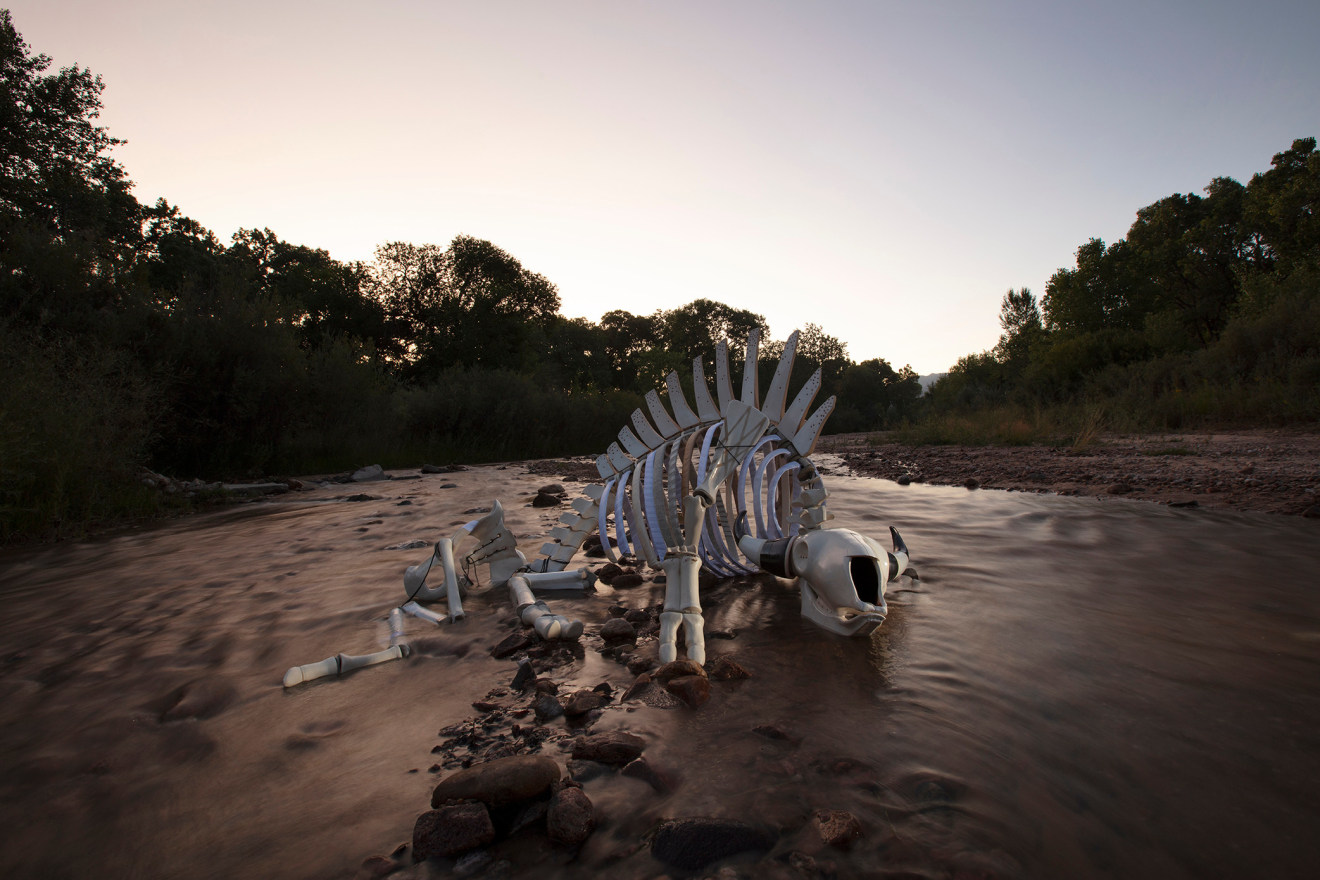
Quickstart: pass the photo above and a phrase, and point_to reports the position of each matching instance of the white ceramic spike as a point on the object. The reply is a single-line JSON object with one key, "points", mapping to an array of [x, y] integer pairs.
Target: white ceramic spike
{"points": [[792, 419], [778, 393], [706, 407], [750, 379], [804, 441], [645, 432], [664, 423], [723, 383], [636, 448]]}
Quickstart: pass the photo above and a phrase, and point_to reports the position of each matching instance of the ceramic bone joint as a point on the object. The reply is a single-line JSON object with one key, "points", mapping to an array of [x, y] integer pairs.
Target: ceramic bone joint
{"points": [[677, 490]]}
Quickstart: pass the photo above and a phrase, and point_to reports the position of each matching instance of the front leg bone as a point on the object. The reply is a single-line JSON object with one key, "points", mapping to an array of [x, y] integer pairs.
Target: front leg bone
{"points": [[682, 606]]}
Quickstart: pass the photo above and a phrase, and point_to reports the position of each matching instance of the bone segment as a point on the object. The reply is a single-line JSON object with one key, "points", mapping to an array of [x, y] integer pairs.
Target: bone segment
{"points": [[423, 613], [723, 384], [645, 432], [631, 444], [706, 407], [750, 380], [797, 410], [664, 423], [683, 413], [778, 392]]}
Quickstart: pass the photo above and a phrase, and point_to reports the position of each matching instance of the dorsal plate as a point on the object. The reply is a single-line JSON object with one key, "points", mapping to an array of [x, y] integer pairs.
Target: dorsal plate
{"points": [[663, 422], [778, 393], [683, 413], [706, 407], [750, 381]]}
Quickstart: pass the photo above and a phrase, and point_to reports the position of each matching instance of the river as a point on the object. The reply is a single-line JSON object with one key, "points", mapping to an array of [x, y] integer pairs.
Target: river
{"points": [[1072, 687]]}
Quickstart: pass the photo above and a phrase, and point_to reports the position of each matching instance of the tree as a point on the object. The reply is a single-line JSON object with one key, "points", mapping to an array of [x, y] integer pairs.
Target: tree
{"points": [[470, 305], [68, 222], [1019, 316]]}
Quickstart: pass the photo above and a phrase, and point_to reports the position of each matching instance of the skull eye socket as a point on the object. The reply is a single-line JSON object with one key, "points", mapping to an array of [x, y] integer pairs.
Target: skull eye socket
{"points": [[865, 578]]}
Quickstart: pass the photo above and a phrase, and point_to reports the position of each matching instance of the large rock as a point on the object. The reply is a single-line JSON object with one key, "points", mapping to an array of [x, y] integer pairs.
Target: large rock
{"points": [[691, 844], [571, 818], [582, 702], [677, 669], [615, 747], [725, 668], [451, 831], [368, 474], [617, 630], [691, 689], [499, 782]]}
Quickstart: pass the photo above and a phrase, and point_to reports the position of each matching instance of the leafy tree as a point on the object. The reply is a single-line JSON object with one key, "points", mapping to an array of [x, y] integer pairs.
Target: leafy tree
{"points": [[68, 222], [1019, 316], [471, 304]]}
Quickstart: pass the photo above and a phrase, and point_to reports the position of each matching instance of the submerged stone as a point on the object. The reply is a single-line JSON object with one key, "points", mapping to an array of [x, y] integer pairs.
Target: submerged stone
{"points": [[499, 782], [691, 844]]}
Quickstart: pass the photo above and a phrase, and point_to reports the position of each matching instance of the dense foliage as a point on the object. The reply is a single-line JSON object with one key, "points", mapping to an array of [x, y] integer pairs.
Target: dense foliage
{"points": [[1207, 313], [131, 336]]}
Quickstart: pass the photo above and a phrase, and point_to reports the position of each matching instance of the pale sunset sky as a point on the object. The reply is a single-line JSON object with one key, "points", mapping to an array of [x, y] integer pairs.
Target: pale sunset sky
{"points": [[886, 170]]}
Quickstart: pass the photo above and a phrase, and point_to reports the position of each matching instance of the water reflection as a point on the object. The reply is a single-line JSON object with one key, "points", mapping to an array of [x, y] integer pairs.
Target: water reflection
{"points": [[1072, 687]]}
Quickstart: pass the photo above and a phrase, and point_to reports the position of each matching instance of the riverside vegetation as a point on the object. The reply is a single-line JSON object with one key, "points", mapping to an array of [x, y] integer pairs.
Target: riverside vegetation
{"points": [[132, 337]]}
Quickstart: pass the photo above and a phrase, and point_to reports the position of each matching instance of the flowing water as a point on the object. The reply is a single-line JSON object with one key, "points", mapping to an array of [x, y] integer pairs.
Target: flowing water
{"points": [[1072, 688]]}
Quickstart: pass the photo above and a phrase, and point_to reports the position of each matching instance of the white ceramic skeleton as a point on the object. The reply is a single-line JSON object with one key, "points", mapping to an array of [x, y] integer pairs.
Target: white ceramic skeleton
{"points": [[677, 488]]}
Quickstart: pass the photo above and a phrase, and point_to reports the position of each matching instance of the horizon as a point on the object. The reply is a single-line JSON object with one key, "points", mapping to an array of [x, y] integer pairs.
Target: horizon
{"points": [[886, 173]]}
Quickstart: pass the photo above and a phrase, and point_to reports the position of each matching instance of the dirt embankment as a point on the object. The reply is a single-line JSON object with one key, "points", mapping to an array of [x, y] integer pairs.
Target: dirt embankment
{"points": [[1272, 471]]}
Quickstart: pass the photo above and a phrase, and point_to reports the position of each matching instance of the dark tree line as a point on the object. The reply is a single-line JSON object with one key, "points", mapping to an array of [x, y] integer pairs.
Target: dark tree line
{"points": [[131, 336], [1207, 311]]}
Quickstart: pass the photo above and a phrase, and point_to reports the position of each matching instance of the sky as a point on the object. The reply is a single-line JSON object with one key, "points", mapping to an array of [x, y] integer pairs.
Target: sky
{"points": [[886, 170]]}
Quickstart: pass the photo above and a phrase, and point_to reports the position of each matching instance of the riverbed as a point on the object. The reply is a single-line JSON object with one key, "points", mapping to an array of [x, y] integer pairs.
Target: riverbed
{"points": [[1070, 686]]}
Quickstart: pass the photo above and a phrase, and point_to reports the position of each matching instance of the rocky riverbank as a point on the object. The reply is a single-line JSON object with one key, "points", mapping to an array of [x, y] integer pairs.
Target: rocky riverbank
{"points": [[1270, 471]]}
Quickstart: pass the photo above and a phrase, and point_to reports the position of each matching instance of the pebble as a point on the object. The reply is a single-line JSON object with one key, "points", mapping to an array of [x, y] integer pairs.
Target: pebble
{"points": [[525, 674], [499, 782], [512, 644], [582, 702], [838, 828], [547, 707], [725, 668], [626, 581], [660, 780]]}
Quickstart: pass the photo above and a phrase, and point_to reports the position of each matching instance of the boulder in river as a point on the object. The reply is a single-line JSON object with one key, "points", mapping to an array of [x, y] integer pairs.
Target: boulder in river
{"points": [[615, 747], [691, 844], [451, 830], [571, 818], [499, 782], [368, 474]]}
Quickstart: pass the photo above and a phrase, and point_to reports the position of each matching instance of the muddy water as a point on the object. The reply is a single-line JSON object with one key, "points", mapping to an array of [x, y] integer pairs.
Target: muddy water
{"points": [[1072, 687]]}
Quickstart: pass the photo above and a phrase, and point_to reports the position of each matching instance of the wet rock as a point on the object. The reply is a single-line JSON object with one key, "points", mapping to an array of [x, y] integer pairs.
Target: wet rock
{"points": [[676, 669], [608, 572], [1118, 489], [203, 698], [377, 866], [904, 480], [725, 668], [514, 642], [499, 782], [691, 844], [546, 686], [451, 831], [838, 828], [544, 500], [368, 474], [547, 708], [524, 676], [592, 548], [585, 771], [473, 863], [583, 702], [638, 665], [725, 634], [617, 630], [637, 615], [660, 780], [627, 581], [483, 706], [551, 489], [570, 818], [614, 747], [691, 689], [972, 483]]}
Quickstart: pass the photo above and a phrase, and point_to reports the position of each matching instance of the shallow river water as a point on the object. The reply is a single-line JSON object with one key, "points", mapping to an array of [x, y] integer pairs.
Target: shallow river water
{"points": [[1072, 688]]}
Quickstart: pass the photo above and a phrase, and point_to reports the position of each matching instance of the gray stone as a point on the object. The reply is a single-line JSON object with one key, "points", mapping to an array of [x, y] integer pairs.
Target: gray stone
{"points": [[451, 831], [691, 844], [547, 707], [499, 782], [368, 474]]}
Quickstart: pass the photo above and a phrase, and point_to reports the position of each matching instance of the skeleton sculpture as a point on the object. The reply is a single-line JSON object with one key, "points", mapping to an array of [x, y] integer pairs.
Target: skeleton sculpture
{"points": [[677, 489]]}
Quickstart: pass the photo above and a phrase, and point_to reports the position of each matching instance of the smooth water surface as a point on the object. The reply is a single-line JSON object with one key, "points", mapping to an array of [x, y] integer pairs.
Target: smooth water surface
{"points": [[1072, 688]]}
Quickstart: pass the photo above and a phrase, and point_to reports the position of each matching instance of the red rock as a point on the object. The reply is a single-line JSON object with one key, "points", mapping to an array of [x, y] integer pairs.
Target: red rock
{"points": [[451, 831], [571, 818], [838, 828], [691, 689]]}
